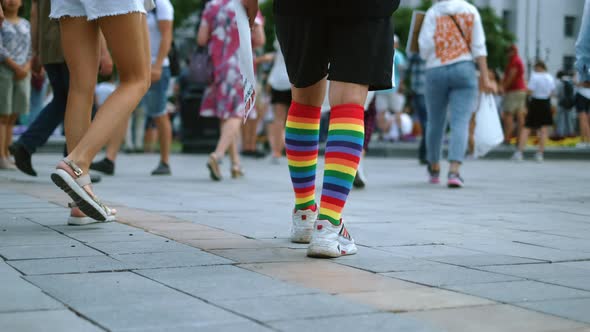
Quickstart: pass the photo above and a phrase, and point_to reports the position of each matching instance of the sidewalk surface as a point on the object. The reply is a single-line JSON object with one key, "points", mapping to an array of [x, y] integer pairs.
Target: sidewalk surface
{"points": [[510, 252]]}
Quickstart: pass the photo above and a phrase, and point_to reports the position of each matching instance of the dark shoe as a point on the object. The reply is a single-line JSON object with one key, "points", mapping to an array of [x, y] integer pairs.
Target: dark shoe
{"points": [[455, 181], [162, 169], [95, 178], [104, 166], [213, 166], [433, 175], [253, 154], [22, 159]]}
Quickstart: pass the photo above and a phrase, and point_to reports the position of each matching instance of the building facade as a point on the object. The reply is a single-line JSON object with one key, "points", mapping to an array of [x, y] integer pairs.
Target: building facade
{"points": [[544, 29]]}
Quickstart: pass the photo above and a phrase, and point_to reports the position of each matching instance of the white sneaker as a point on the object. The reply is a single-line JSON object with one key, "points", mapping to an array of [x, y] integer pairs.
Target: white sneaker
{"points": [[329, 241], [517, 156], [302, 226], [539, 157]]}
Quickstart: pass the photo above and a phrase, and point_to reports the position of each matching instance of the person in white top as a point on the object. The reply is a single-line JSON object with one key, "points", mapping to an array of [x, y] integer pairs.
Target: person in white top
{"points": [[539, 117], [450, 40], [281, 100]]}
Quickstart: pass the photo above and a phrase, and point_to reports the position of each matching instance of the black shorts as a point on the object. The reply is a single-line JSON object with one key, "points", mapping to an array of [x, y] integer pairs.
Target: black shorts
{"points": [[346, 50], [582, 104], [280, 97], [539, 114]]}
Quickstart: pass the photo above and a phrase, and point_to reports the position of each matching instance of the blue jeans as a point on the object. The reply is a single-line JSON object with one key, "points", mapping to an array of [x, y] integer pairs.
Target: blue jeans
{"points": [[53, 114], [155, 99], [583, 46], [451, 89], [419, 103], [565, 122]]}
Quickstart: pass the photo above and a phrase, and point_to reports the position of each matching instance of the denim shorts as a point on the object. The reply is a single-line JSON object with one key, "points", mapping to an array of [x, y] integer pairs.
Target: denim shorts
{"points": [[155, 99], [93, 9]]}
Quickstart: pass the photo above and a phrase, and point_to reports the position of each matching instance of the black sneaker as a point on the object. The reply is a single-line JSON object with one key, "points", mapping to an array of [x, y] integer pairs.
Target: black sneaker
{"points": [[95, 178], [22, 159], [162, 169], [104, 166]]}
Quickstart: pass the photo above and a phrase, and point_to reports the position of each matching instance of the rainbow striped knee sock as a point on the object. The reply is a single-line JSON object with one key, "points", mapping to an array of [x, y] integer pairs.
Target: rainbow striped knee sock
{"points": [[346, 134], [301, 141]]}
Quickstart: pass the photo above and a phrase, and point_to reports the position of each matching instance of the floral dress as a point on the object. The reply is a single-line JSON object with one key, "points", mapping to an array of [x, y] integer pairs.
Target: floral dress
{"points": [[224, 98]]}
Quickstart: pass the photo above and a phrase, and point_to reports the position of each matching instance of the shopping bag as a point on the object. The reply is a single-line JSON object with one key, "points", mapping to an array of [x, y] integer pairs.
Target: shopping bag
{"points": [[245, 58], [488, 129]]}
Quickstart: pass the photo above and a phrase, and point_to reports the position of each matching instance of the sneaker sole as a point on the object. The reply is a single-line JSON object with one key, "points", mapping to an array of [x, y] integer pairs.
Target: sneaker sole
{"points": [[454, 185], [81, 221], [78, 195], [301, 235], [320, 251]]}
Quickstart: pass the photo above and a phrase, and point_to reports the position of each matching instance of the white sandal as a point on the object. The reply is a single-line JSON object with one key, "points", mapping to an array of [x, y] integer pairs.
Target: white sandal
{"points": [[74, 187], [81, 221]]}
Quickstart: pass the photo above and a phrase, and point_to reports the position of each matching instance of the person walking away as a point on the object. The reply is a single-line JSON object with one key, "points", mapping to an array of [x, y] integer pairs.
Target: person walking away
{"points": [[351, 44], [566, 101], [15, 78], [417, 77], [224, 98], [160, 22], [392, 101], [451, 39], [514, 85], [48, 56], [539, 118], [124, 26]]}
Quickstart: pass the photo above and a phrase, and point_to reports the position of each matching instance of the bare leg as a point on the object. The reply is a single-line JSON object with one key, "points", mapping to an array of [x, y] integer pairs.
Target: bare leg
{"points": [[230, 129], [9, 127], [165, 136], [149, 139], [584, 126], [130, 52], [454, 167], [116, 140], [278, 130], [508, 126], [543, 133], [249, 135], [3, 135], [524, 137], [521, 117]]}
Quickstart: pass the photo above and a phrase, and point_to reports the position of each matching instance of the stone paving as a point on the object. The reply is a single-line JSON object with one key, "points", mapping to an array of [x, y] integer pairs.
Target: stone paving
{"points": [[510, 252]]}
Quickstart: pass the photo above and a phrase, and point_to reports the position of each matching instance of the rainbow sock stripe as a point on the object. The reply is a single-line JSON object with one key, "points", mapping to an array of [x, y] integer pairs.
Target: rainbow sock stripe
{"points": [[346, 135], [301, 141]]}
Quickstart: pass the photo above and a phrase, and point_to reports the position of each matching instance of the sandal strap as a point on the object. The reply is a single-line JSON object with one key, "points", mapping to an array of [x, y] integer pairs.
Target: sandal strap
{"points": [[81, 178]]}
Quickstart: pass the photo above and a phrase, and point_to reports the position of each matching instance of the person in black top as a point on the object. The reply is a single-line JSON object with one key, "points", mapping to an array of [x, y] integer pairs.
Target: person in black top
{"points": [[350, 43]]}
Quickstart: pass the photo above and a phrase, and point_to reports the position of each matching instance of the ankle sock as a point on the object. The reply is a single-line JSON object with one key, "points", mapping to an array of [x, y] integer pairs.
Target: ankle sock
{"points": [[301, 142], [343, 152]]}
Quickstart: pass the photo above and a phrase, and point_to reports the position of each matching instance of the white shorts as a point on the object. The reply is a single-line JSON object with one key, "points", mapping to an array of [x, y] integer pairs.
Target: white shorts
{"points": [[390, 102], [93, 9]]}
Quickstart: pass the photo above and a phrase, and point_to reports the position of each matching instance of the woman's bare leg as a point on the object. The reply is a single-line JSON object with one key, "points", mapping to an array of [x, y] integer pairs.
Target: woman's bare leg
{"points": [[128, 40], [230, 129], [3, 126], [11, 123], [278, 129]]}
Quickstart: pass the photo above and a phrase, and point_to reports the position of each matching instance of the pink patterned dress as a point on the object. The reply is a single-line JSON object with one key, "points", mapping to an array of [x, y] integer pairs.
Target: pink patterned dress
{"points": [[224, 98]]}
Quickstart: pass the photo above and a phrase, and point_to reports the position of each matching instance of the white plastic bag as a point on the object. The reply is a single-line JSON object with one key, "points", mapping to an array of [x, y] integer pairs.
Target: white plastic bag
{"points": [[488, 129], [245, 58]]}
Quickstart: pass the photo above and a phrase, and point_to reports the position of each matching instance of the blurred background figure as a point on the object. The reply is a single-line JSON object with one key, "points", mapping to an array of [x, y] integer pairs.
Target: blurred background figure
{"points": [[539, 117], [583, 70], [390, 103], [417, 70], [15, 78], [451, 39], [514, 86], [566, 101], [280, 100], [224, 97]]}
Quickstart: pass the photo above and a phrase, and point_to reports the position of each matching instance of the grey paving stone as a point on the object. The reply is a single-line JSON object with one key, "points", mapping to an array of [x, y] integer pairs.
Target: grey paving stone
{"points": [[482, 260], [380, 264], [363, 322], [70, 265], [49, 321], [41, 238], [112, 236], [156, 313], [68, 248], [575, 309], [223, 282], [140, 247], [294, 307], [573, 282], [244, 326], [578, 264], [520, 291], [538, 271], [171, 259], [17, 294], [425, 251], [451, 275]]}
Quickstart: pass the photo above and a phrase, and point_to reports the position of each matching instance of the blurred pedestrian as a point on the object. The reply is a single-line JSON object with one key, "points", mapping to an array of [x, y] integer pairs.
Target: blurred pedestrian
{"points": [[224, 98], [539, 117], [494, 90], [515, 88], [124, 26], [566, 101], [350, 44], [15, 78], [417, 77], [451, 39], [583, 69], [392, 101], [160, 22], [281, 98]]}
